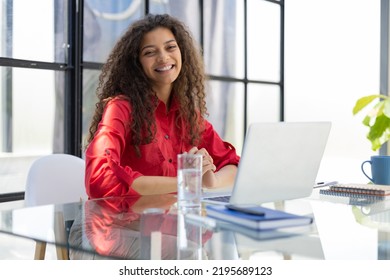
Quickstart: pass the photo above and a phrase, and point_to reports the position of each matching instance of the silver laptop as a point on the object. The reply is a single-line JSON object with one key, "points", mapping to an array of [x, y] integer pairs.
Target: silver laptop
{"points": [[279, 161]]}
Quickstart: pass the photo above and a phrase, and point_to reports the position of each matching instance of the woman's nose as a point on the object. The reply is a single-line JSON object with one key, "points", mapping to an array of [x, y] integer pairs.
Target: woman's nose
{"points": [[162, 56]]}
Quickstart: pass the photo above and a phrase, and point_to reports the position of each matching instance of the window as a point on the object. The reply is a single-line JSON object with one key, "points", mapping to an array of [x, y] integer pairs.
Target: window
{"points": [[33, 60]]}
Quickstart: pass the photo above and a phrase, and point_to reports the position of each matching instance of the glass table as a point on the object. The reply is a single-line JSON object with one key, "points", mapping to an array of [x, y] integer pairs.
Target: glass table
{"points": [[151, 227]]}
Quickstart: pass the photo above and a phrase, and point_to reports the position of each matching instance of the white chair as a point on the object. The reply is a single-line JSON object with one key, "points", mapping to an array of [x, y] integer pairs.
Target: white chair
{"points": [[54, 179]]}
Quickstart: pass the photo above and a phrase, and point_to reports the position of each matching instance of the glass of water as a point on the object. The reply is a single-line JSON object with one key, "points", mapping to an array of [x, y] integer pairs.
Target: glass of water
{"points": [[189, 180]]}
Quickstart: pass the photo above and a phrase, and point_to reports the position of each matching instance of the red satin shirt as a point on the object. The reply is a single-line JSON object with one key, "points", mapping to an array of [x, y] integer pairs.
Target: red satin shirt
{"points": [[111, 161]]}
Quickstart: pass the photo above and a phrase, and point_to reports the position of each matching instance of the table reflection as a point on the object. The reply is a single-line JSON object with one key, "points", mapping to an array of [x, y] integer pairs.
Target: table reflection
{"points": [[143, 227], [351, 219]]}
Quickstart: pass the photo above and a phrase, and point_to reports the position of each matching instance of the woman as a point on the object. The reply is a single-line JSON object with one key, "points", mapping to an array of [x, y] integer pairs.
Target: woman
{"points": [[152, 108]]}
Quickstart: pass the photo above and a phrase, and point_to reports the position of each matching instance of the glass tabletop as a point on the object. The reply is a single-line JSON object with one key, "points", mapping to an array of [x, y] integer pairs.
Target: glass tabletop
{"points": [[151, 227]]}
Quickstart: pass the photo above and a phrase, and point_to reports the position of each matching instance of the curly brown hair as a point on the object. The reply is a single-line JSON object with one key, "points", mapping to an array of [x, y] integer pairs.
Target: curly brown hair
{"points": [[122, 74]]}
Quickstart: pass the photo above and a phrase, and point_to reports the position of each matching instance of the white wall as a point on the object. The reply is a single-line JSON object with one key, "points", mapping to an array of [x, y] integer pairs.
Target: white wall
{"points": [[332, 58]]}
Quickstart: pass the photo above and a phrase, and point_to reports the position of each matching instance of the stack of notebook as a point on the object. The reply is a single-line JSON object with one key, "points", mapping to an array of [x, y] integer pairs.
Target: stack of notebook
{"points": [[269, 219], [357, 190]]}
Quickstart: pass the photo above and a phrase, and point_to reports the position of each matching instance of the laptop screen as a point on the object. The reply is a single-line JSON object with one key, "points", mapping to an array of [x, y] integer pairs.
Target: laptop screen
{"points": [[279, 161]]}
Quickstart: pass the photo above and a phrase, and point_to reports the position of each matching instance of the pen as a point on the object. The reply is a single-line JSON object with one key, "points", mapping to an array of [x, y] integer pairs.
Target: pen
{"points": [[202, 220], [325, 183]]}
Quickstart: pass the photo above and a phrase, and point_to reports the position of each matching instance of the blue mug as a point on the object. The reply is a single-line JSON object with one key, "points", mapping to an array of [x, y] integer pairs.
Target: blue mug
{"points": [[380, 170]]}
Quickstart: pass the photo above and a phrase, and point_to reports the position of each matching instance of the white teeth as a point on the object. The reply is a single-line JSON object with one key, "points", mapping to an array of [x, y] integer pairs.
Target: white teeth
{"points": [[168, 67]]}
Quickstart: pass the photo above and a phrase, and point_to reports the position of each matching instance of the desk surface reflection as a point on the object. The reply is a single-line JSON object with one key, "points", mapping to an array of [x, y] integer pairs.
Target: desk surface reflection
{"points": [[151, 227]]}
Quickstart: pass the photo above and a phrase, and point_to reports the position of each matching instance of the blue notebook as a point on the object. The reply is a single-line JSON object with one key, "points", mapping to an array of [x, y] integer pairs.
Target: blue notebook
{"points": [[272, 219]]}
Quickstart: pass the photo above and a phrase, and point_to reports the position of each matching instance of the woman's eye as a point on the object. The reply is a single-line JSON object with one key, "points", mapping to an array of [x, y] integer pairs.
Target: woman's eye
{"points": [[148, 53], [172, 47]]}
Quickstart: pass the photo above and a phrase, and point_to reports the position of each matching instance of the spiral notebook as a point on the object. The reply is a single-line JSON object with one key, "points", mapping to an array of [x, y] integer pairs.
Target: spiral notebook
{"points": [[355, 199], [363, 189]]}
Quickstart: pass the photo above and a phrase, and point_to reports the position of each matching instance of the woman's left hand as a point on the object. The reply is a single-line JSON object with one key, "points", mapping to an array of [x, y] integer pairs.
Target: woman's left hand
{"points": [[208, 167]]}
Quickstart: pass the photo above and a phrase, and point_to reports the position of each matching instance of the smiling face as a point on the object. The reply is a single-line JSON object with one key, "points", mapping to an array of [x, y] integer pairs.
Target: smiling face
{"points": [[160, 58]]}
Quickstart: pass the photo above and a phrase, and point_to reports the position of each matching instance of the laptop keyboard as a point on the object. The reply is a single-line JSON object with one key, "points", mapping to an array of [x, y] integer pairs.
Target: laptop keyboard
{"points": [[225, 198]]}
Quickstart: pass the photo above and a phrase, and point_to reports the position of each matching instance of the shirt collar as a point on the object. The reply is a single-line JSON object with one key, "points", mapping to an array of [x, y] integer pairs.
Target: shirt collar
{"points": [[161, 107]]}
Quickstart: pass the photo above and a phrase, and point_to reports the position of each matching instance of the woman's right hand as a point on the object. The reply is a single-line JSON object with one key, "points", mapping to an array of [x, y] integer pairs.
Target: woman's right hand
{"points": [[209, 179], [207, 160]]}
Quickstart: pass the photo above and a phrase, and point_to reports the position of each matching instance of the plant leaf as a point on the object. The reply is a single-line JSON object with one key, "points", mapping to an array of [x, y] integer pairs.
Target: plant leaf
{"points": [[375, 145], [377, 134], [364, 101], [375, 112], [386, 107], [366, 121]]}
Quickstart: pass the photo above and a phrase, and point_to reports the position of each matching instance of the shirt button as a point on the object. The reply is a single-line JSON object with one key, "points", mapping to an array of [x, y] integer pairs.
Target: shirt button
{"points": [[166, 136], [170, 160]]}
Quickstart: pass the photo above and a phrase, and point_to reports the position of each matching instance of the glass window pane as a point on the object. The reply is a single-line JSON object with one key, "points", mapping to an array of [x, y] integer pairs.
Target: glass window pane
{"points": [[224, 38], [90, 83], [25, 35], [225, 104], [28, 123], [263, 104], [104, 23], [263, 41], [187, 11]]}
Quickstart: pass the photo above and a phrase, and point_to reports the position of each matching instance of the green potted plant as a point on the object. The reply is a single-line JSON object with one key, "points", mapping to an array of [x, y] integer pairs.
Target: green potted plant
{"points": [[377, 119]]}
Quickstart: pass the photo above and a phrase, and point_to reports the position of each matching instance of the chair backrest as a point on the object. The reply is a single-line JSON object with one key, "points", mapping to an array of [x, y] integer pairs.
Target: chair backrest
{"points": [[56, 178]]}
